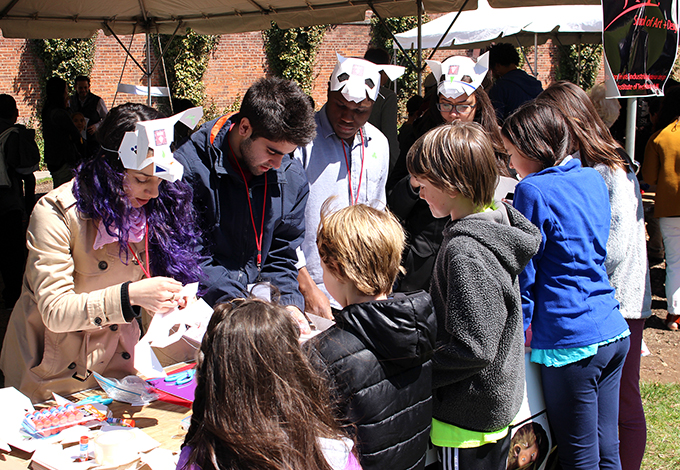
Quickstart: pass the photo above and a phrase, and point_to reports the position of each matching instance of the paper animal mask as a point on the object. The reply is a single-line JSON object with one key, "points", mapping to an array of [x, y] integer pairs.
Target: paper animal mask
{"points": [[359, 78], [458, 75], [156, 135]]}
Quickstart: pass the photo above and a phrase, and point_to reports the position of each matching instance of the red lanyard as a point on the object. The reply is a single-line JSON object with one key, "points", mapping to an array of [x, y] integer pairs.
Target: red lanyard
{"points": [[353, 201], [147, 271], [258, 240]]}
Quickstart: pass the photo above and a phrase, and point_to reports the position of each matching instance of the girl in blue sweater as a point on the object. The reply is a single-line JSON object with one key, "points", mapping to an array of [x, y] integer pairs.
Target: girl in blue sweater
{"points": [[579, 337]]}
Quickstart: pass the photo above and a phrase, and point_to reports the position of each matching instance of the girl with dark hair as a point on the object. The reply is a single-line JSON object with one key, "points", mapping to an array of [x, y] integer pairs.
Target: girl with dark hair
{"points": [[62, 138], [117, 239], [259, 404], [579, 337], [462, 99], [626, 260], [662, 161]]}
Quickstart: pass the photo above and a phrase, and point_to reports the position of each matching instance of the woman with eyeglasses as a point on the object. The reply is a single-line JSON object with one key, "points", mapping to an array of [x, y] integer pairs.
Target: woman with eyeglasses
{"points": [[459, 96]]}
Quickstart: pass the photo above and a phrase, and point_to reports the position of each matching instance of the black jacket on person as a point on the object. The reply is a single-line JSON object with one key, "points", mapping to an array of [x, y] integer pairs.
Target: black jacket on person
{"points": [[88, 107], [62, 139], [378, 357]]}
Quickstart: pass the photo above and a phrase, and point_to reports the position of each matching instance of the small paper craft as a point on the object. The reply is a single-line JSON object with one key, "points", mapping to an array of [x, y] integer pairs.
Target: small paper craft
{"points": [[358, 79]]}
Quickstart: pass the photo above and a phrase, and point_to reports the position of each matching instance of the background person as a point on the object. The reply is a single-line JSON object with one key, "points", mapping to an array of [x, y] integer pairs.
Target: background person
{"points": [[579, 337], [478, 364], [86, 102], [61, 136], [348, 159], [513, 86], [384, 113], [12, 235], [382, 373], [101, 248], [626, 261], [455, 100], [660, 167], [250, 194]]}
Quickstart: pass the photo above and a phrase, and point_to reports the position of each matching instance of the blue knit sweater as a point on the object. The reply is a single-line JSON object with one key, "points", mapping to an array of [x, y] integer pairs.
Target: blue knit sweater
{"points": [[566, 295]]}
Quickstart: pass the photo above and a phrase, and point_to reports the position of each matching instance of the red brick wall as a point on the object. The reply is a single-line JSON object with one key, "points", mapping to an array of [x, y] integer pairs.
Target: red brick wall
{"points": [[237, 62]]}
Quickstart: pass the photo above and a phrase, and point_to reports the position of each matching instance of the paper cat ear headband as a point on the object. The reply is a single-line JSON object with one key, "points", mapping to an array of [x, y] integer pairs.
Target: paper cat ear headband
{"points": [[458, 75], [156, 135], [358, 78]]}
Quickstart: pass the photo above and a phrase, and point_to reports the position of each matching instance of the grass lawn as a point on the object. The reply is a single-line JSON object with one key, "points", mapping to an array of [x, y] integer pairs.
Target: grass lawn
{"points": [[662, 409]]}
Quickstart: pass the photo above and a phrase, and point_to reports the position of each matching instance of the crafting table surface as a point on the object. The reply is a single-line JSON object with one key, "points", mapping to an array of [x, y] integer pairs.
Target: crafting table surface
{"points": [[160, 420]]}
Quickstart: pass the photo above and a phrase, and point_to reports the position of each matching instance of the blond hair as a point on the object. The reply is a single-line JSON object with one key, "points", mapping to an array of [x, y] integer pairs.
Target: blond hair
{"points": [[457, 157], [363, 245]]}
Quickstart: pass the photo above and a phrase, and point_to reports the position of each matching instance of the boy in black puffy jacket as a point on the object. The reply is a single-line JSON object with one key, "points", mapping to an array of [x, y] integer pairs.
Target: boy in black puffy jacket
{"points": [[378, 354]]}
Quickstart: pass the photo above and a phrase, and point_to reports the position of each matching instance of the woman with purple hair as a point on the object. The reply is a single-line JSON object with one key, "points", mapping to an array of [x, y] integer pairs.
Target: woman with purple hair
{"points": [[116, 240]]}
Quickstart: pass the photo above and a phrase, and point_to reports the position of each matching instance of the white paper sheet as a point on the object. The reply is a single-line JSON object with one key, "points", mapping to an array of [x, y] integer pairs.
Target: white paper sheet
{"points": [[13, 407], [168, 328]]}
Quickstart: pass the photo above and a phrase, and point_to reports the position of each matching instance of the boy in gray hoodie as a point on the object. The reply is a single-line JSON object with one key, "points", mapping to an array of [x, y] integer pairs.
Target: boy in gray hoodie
{"points": [[478, 376]]}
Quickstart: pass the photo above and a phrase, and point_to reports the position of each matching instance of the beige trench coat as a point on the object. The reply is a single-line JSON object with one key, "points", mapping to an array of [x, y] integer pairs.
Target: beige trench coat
{"points": [[68, 321]]}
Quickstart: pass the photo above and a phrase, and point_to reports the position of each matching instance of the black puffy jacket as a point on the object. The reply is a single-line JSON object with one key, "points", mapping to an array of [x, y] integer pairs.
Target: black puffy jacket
{"points": [[378, 357]]}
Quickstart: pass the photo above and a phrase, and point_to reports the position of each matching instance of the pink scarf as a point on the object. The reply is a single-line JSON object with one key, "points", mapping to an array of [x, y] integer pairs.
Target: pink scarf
{"points": [[135, 235]]}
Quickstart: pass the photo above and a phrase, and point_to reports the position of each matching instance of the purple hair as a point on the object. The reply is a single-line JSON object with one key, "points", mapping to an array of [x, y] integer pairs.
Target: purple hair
{"points": [[171, 218]]}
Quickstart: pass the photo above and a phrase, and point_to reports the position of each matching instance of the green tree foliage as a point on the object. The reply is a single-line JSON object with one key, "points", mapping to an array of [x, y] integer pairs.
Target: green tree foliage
{"points": [[64, 58], [291, 53], [568, 64], [407, 84], [186, 60]]}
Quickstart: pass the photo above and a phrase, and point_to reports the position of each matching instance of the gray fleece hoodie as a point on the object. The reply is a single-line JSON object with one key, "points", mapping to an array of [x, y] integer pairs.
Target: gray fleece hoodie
{"points": [[478, 377]]}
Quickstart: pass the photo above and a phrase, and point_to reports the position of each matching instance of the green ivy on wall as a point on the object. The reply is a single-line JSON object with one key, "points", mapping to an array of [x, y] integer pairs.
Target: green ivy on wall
{"points": [[64, 58], [568, 64], [186, 60], [291, 53], [407, 84]]}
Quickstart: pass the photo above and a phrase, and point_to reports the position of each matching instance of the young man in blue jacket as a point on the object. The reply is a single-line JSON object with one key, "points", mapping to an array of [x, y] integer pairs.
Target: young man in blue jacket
{"points": [[249, 194]]}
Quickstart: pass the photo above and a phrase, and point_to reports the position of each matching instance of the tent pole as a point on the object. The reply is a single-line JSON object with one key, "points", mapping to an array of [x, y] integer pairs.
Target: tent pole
{"points": [[578, 70], [420, 47], [436, 48], [535, 54], [126, 49], [148, 66], [631, 119], [387, 28]]}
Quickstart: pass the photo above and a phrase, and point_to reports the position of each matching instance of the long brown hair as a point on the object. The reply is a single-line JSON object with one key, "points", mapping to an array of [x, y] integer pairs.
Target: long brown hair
{"points": [[539, 132], [259, 404], [589, 134], [486, 116]]}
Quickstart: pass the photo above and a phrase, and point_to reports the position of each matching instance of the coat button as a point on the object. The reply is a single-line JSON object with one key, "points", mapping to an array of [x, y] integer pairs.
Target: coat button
{"points": [[113, 327], [103, 265], [126, 355], [98, 321], [72, 365]]}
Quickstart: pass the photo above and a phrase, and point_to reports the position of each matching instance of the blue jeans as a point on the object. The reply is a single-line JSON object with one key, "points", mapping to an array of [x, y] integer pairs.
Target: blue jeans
{"points": [[582, 401]]}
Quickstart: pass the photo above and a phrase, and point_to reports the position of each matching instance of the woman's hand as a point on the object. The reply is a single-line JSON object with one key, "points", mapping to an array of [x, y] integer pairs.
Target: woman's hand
{"points": [[156, 294]]}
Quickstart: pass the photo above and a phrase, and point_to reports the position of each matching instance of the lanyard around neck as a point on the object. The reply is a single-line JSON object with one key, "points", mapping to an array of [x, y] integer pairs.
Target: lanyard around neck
{"points": [[147, 271], [258, 239], [354, 200]]}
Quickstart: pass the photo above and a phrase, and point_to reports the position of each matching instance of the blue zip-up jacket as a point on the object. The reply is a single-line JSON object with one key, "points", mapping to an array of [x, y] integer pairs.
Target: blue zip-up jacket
{"points": [[566, 295], [228, 236]]}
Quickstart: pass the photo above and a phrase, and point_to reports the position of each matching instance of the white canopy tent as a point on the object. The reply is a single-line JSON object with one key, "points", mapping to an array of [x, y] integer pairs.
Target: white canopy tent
{"points": [[82, 18], [479, 28]]}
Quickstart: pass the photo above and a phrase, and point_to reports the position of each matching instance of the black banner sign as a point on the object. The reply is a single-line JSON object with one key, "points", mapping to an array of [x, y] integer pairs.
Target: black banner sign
{"points": [[640, 40]]}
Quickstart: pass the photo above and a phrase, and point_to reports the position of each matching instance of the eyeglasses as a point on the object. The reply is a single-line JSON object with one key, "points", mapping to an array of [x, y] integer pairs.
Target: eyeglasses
{"points": [[460, 108]]}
